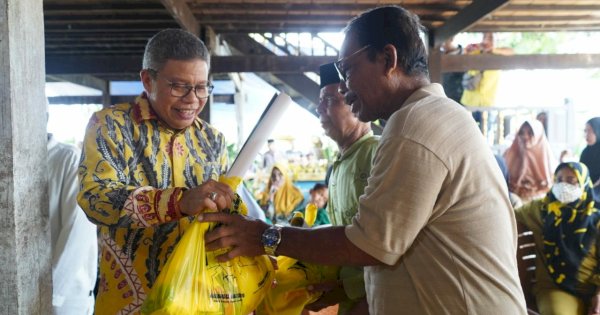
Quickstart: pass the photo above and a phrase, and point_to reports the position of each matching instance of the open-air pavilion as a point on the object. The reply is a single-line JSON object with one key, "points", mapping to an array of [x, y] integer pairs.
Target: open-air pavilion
{"points": [[95, 42]]}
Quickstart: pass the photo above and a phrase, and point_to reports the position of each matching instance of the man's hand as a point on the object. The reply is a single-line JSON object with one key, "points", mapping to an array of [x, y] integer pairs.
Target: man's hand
{"points": [[333, 293], [198, 199], [243, 234]]}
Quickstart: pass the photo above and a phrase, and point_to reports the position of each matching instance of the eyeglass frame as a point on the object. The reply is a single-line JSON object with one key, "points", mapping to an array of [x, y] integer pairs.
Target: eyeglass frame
{"points": [[188, 87], [339, 64]]}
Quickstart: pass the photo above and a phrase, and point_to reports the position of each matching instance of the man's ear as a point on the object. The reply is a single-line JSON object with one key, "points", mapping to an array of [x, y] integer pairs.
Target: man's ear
{"points": [[390, 55], [146, 80]]}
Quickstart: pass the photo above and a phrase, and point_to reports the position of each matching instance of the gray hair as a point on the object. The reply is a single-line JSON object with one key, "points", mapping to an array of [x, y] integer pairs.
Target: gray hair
{"points": [[173, 44]]}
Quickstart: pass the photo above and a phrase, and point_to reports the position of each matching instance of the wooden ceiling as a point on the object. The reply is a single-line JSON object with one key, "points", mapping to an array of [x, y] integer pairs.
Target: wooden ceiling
{"points": [[319, 15], [122, 27], [92, 42], [106, 38]]}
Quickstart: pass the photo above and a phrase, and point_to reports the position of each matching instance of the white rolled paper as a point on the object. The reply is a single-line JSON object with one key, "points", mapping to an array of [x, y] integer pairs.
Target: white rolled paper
{"points": [[260, 134]]}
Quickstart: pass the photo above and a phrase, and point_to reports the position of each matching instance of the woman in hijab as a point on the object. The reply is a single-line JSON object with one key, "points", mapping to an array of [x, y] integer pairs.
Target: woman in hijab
{"points": [[530, 162], [591, 154], [565, 229], [280, 197]]}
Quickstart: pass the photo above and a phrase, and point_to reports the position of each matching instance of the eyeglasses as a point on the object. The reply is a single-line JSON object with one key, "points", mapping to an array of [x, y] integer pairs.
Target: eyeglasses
{"points": [[341, 67], [180, 90]]}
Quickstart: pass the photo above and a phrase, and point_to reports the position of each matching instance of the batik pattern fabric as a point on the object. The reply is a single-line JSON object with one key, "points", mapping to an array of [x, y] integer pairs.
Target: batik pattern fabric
{"points": [[569, 233], [133, 172]]}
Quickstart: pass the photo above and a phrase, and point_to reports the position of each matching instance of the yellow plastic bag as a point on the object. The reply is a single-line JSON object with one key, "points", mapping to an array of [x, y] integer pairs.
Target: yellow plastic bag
{"points": [[193, 282], [290, 295]]}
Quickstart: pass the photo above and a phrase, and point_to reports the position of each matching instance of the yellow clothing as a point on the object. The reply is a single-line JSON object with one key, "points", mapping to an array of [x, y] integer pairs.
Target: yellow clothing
{"points": [[133, 172], [559, 302], [485, 93], [549, 297], [287, 198]]}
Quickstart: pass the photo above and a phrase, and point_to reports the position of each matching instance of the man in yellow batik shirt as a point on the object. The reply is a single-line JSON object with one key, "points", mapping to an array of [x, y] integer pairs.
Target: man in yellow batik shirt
{"points": [[148, 167]]}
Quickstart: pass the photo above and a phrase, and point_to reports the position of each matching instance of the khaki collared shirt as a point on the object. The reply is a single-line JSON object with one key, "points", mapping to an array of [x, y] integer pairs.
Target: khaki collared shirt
{"points": [[436, 213]]}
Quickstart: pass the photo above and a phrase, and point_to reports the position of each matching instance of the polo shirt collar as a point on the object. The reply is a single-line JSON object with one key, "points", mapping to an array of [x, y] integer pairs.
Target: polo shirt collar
{"points": [[355, 145]]}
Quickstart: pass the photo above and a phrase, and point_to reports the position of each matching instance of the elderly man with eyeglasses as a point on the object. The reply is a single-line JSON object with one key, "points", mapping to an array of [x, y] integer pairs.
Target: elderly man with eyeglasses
{"points": [[434, 227], [347, 182], [149, 167]]}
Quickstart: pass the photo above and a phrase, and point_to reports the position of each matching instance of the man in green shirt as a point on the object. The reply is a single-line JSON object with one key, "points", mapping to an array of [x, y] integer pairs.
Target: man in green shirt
{"points": [[347, 182]]}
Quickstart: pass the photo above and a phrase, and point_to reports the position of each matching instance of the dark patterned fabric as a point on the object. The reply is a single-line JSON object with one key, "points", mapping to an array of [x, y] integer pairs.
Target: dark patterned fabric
{"points": [[569, 230]]}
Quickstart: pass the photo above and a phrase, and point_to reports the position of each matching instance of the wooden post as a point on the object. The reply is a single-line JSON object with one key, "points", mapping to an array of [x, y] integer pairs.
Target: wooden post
{"points": [[25, 251]]}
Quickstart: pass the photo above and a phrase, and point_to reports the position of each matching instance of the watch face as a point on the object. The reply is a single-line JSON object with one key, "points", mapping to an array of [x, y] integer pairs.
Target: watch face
{"points": [[270, 237]]}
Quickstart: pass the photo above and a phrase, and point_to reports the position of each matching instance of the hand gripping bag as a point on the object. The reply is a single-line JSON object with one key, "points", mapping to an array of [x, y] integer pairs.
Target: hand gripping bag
{"points": [[193, 282]]}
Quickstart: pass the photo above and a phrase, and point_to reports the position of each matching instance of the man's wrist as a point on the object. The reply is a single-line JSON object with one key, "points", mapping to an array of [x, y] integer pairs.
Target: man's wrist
{"points": [[270, 239]]}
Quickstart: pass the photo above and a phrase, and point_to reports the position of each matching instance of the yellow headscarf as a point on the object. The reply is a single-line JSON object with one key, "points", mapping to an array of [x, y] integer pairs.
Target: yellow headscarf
{"points": [[287, 197]]}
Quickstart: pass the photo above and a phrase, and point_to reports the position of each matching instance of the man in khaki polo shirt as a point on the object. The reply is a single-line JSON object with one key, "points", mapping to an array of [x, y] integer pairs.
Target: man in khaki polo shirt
{"points": [[434, 228]]}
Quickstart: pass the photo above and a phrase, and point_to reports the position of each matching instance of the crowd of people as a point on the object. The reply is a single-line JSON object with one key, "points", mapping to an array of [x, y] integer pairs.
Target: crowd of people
{"points": [[421, 220]]}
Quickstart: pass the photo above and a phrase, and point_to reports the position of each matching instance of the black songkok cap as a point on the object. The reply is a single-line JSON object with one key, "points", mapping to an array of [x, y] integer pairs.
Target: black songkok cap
{"points": [[329, 75]]}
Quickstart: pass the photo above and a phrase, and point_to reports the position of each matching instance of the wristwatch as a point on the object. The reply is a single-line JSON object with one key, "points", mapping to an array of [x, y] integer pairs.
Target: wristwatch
{"points": [[271, 238]]}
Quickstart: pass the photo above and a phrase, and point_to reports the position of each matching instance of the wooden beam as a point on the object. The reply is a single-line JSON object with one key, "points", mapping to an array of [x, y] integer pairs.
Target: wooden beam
{"points": [[483, 27], [268, 63], [285, 18], [245, 28], [118, 66], [135, 28], [183, 15], [200, 7], [545, 19], [96, 6], [564, 8], [93, 64], [457, 63], [464, 19], [120, 22], [109, 65]]}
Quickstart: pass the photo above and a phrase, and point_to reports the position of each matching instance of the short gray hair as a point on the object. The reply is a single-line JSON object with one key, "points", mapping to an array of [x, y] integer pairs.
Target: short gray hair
{"points": [[173, 44]]}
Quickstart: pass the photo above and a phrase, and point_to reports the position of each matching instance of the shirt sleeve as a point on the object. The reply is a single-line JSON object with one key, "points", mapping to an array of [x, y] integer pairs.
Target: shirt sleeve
{"points": [[75, 252], [529, 215], [106, 196], [399, 199]]}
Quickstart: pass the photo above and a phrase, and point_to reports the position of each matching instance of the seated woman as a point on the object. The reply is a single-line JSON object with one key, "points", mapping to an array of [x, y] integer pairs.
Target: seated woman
{"points": [[280, 196], [530, 162], [565, 229]]}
